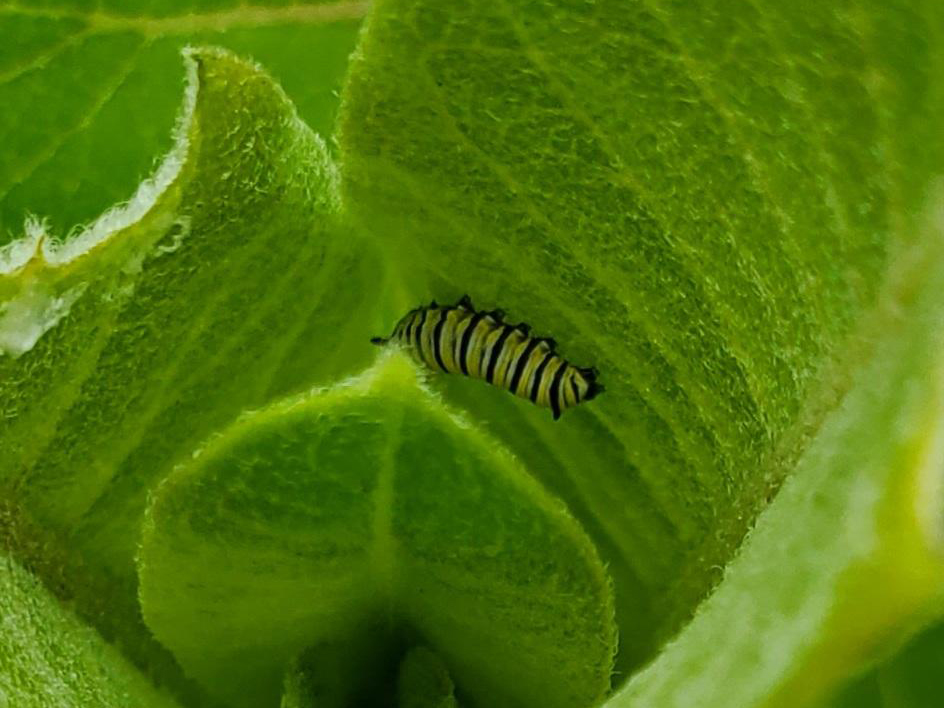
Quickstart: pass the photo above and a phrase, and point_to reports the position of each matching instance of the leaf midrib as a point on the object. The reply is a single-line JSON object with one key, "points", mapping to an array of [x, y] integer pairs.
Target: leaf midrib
{"points": [[383, 559]]}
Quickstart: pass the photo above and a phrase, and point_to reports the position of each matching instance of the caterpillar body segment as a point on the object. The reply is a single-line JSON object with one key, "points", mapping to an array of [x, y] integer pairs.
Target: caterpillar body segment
{"points": [[459, 339]]}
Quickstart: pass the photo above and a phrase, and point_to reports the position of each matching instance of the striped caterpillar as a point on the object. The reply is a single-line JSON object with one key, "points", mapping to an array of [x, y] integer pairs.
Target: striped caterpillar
{"points": [[459, 339]]}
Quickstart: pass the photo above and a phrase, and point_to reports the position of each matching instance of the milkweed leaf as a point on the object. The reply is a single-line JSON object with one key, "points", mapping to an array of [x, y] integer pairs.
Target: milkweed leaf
{"points": [[93, 88], [369, 510], [212, 291], [48, 657], [708, 203], [908, 679], [424, 682], [703, 202], [850, 555]]}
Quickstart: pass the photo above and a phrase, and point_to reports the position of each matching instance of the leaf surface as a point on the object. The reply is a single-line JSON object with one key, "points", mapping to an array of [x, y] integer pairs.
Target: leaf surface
{"points": [[213, 291], [909, 679], [424, 681], [96, 89], [369, 510], [49, 658], [705, 204], [700, 202], [850, 555]]}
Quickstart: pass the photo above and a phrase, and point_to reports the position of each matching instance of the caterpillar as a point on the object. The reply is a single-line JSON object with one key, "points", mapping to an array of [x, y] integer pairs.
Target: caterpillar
{"points": [[459, 339]]}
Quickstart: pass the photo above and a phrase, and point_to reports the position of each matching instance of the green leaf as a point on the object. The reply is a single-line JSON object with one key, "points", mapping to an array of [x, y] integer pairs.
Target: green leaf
{"points": [[702, 201], [424, 681], [213, 291], [850, 555], [96, 87], [369, 510], [909, 679], [338, 673], [49, 658]]}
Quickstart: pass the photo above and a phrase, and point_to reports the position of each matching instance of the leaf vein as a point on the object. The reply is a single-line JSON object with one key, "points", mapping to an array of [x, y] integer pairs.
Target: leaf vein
{"points": [[151, 407], [40, 60], [111, 88], [242, 16], [649, 393], [602, 274]]}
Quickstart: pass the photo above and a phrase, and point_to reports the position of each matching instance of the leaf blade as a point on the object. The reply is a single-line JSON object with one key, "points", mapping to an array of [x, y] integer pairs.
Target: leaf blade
{"points": [[105, 88], [671, 196], [171, 337], [48, 657], [326, 517], [849, 556]]}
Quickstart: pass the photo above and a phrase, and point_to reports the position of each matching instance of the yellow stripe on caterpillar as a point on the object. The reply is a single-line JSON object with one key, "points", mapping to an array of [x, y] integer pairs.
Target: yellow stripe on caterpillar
{"points": [[459, 339]]}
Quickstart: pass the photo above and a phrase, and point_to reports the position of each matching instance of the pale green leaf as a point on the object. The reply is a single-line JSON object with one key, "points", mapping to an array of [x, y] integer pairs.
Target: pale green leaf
{"points": [[369, 510], [698, 199], [705, 201], [49, 658], [94, 88], [213, 291], [850, 555]]}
